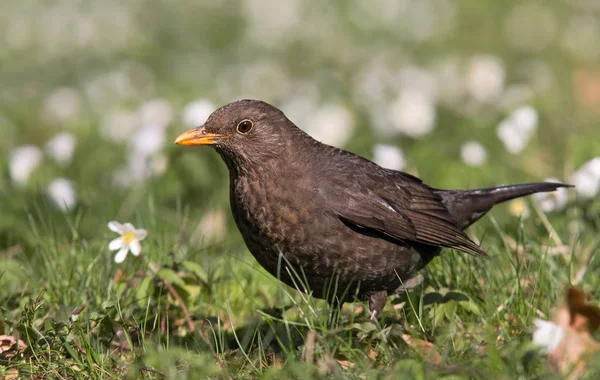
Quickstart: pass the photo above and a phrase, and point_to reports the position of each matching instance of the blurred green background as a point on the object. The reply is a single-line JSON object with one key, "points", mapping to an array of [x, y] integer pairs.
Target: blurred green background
{"points": [[462, 93]]}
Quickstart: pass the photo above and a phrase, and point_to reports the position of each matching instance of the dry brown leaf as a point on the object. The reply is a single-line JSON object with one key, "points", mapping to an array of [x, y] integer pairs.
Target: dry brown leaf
{"points": [[423, 347], [7, 343], [568, 339], [346, 364]]}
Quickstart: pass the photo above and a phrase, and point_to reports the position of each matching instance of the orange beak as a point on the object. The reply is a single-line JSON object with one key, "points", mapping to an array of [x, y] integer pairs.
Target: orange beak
{"points": [[198, 136]]}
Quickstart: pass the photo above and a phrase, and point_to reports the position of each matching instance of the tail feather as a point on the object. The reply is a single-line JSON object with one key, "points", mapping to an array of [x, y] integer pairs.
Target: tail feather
{"points": [[467, 206]]}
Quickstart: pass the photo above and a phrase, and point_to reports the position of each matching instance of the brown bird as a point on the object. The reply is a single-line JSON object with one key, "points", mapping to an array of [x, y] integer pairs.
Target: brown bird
{"points": [[332, 223]]}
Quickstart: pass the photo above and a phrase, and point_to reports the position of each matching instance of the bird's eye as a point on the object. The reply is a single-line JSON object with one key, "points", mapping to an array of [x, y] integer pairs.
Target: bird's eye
{"points": [[244, 126]]}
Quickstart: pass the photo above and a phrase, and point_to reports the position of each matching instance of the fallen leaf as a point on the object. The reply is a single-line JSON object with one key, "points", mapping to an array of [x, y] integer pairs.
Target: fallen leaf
{"points": [[567, 339], [424, 348]]}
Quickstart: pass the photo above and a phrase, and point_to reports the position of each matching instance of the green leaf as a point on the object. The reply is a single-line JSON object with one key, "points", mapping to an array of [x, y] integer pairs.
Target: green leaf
{"points": [[197, 270], [170, 275], [143, 291]]}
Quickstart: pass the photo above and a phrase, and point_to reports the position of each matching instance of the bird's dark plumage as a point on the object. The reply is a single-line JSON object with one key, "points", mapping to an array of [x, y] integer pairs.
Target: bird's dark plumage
{"points": [[342, 225]]}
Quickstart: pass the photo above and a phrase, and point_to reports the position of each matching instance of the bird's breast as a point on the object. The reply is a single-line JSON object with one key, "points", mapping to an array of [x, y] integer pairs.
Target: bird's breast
{"points": [[273, 216]]}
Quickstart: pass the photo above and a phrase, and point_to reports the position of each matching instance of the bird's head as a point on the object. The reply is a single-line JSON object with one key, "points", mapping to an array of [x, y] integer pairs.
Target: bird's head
{"points": [[245, 133]]}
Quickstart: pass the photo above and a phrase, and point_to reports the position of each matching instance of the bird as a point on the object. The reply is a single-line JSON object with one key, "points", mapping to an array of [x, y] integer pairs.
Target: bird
{"points": [[330, 222]]}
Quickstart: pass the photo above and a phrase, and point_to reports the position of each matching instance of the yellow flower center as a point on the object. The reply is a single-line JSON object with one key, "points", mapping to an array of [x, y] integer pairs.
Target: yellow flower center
{"points": [[128, 237], [518, 207]]}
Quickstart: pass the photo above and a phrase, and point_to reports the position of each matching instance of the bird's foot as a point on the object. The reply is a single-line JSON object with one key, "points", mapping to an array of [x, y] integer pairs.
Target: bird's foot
{"points": [[377, 302]]}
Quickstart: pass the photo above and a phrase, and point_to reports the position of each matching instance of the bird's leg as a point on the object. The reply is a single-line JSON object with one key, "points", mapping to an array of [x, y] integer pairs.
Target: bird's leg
{"points": [[410, 284], [377, 301]]}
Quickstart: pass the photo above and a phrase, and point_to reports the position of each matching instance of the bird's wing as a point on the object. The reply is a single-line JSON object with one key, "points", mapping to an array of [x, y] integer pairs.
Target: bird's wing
{"points": [[409, 211]]}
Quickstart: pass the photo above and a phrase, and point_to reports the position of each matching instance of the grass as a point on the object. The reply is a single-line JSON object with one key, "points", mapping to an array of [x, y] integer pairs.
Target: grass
{"points": [[137, 318]]}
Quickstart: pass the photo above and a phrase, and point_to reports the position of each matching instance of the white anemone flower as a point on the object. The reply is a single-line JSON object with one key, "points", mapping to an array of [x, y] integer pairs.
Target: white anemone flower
{"points": [[587, 179], [389, 156], [548, 335], [473, 153], [61, 147], [62, 192], [129, 240], [23, 161], [413, 113], [552, 201], [485, 77], [195, 113]]}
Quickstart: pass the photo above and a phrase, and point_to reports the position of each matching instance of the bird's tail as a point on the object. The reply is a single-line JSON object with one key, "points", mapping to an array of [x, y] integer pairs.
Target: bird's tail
{"points": [[467, 206]]}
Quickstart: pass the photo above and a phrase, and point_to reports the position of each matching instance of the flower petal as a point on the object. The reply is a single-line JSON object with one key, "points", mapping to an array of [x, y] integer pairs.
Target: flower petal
{"points": [[128, 227], [140, 234], [115, 227], [135, 247], [121, 255], [116, 244]]}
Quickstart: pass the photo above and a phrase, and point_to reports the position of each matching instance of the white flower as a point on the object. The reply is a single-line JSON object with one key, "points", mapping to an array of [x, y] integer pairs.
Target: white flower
{"points": [[129, 240], [413, 113], [473, 153], [270, 21], [62, 193], [389, 156], [196, 112], [485, 77], [63, 105], [554, 200], [331, 124], [548, 335], [119, 125], [516, 131], [149, 140], [156, 111], [23, 161], [61, 148], [213, 226], [587, 179]]}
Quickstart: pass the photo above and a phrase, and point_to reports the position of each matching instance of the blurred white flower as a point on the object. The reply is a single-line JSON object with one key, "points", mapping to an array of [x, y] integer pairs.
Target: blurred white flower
{"points": [[516, 131], [526, 118], [413, 113], [299, 109], [23, 161], [129, 240], [554, 200], [148, 140], [270, 20], [156, 111], [389, 156], [415, 79], [61, 148], [62, 193], [473, 153], [331, 124], [587, 179], [485, 77], [548, 335], [195, 113], [119, 125], [62, 105], [212, 226]]}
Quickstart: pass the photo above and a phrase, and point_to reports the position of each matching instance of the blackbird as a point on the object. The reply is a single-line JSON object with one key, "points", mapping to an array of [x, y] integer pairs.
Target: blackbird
{"points": [[332, 223]]}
